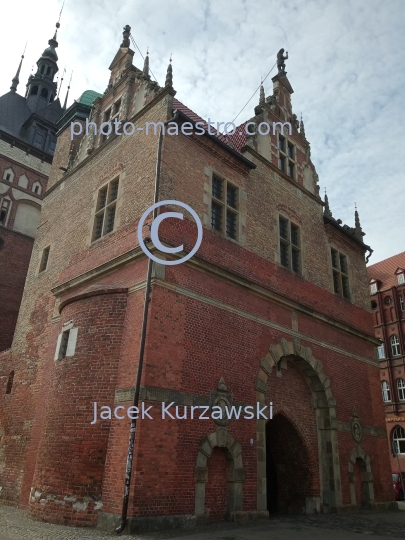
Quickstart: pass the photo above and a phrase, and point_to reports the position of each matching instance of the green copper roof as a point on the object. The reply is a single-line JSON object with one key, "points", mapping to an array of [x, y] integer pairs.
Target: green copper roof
{"points": [[88, 97]]}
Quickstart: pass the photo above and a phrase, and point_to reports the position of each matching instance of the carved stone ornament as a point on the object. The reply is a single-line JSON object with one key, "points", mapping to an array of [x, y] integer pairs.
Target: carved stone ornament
{"points": [[221, 398], [357, 430]]}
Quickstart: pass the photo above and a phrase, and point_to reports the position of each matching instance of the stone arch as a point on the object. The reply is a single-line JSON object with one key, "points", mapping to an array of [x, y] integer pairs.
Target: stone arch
{"points": [[367, 480], [235, 472], [325, 405]]}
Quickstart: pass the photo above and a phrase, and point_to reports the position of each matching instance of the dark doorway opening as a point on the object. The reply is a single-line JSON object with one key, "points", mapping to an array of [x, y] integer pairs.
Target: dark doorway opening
{"points": [[289, 477]]}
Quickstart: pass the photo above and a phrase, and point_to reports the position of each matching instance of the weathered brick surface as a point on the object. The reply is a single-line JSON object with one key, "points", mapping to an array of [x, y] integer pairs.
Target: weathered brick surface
{"points": [[214, 317]]}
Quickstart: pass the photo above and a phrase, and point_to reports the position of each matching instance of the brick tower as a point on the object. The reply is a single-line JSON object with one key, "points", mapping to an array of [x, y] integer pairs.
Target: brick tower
{"points": [[273, 309]]}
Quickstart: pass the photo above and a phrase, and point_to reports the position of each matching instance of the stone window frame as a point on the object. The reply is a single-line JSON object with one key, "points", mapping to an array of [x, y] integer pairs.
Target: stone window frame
{"points": [[395, 345], [401, 389], [341, 274], [39, 271], [286, 156], [67, 340], [381, 352], [290, 245], [239, 210], [6, 208], [102, 210], [386, 392], [398, 434], [9, 171]]}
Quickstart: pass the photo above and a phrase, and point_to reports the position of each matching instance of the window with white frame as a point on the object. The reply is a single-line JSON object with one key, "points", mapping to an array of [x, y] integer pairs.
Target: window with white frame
{"points": [[401, 278], [224, 207], [398, 437], [104, 219], [373, 288], [381, 351], [66, 344], [286, 156], [395, 348], [401, 389], [385, 387], [401, 303]]}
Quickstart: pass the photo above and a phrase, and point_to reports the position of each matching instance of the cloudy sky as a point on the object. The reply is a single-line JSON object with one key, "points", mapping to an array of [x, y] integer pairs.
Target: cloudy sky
{"points": [[346, 65]]}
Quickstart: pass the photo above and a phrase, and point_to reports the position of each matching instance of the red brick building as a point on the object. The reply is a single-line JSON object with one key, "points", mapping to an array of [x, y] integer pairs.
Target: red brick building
{"points": [[27, 144], [273, 309], [387, 294]]}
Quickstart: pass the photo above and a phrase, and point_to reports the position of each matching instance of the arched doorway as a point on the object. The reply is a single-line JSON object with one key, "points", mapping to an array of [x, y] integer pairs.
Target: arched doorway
{"points": [[289, 476], [326, 495], [361, 480]]}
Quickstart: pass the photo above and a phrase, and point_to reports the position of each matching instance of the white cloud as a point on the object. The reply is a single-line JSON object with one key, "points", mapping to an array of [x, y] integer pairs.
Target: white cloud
{"points": [[345, 65]]}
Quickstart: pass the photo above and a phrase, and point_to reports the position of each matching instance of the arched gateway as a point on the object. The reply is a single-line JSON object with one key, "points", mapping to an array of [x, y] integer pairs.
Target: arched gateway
{"points": [[329, 492]]}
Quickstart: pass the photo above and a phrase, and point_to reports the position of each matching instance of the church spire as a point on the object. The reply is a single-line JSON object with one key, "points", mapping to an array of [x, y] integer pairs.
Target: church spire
{"points": [[358, 231], [15, 81], [302, 128], [67, 93], [169, 74], [326, 210]]}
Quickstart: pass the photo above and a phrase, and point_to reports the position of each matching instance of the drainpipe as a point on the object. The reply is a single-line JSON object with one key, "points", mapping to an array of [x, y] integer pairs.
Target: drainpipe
{"points": [[132, 431]]}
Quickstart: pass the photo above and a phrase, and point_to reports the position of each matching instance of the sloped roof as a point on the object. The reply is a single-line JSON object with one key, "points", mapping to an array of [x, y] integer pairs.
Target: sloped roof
{"points": [[235, 141], [14, 112], [384, 270], [88, 97]]}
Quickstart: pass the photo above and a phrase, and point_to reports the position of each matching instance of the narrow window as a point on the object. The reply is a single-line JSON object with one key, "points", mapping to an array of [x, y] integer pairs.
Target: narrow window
{"points": [[290, 245], [386, 391], [381, 352], [106, 208], [398, 438], [8, 176], [63, 344], [44, 93], [341, 284], [4, 209], [224, 207], [401, 389], [10, 382], [286, 156], [401, 303], [373, 288], [395, 348], [401, 279], [44, 259]]}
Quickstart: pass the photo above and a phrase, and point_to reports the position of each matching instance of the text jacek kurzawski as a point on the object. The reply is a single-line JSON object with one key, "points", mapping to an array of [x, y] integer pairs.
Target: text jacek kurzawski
{"points": [[179, 412]]}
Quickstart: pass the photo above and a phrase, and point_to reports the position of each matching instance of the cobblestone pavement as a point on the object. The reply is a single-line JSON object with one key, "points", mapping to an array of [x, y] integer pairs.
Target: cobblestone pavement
{"points": [[15, 525]]}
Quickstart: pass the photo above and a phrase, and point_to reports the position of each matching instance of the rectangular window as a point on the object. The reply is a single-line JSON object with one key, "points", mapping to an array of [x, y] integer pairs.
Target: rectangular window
{"points": [[290, 245], [373, 288], [341, 284], [381, 352], [64, 344], [52, 144], [401, 303], [286, 156], [4, 208], [44, 259], [224, 207], [39, 138], [106, 208], [401, 279]]}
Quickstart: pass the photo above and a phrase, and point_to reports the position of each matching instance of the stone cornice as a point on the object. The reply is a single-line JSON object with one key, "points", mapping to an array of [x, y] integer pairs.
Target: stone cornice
{"points": [[224, 275]]}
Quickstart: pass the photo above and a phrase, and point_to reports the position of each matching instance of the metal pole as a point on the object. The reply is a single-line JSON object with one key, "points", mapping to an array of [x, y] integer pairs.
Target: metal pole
{"points": [[132, 431]]}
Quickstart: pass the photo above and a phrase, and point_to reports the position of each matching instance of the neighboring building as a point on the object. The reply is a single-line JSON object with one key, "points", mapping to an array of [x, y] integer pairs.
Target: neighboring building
{"points": [[27, 144], [387, 294], [273, 308]]}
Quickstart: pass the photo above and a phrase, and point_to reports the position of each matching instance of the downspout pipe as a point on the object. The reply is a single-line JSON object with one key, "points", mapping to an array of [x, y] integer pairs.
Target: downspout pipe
{"points": [[132, 431]]}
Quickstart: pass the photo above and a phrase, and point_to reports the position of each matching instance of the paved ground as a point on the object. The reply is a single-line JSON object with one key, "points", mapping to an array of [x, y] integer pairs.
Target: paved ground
{"points": [[15, 525]]}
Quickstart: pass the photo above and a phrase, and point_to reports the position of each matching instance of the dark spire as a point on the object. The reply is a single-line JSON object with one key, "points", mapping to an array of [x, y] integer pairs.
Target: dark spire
{"points": [[67, 93], [15, 81], [146, 65], [169, 74], [326, 210], [302, 128], [358, 231]]}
